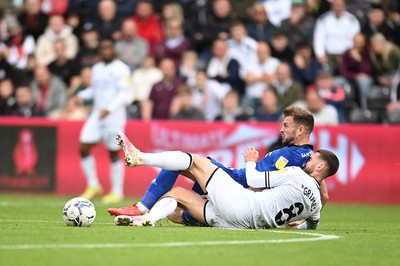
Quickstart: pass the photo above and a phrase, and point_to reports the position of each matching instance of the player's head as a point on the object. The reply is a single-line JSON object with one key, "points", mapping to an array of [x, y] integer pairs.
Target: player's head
{"points": [[107, 50], [322, 163], [297, 125]]}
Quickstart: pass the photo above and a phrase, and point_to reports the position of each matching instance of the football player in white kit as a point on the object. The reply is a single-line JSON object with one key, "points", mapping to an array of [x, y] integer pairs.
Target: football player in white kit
{"points": [[109, 86], [285, 196]]}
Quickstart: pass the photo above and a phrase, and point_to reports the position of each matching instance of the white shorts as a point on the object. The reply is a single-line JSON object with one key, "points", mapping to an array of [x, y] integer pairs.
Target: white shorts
{"points": [[230, 205], [95, 130]]}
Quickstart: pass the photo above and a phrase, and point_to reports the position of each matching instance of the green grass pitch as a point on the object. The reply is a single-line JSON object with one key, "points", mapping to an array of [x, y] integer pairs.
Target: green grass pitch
{"points": [[32, 233]]}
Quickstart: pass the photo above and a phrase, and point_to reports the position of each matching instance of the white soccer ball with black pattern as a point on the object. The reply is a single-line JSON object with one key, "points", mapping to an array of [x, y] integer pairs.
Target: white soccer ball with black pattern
{"points": [[79, 212]]}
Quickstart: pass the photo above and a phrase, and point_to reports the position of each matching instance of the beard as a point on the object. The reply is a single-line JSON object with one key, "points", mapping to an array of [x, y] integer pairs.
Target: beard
{"points": [[288, 140]]}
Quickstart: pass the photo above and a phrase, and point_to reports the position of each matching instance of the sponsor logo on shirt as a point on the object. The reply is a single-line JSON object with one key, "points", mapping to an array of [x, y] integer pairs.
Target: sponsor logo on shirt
{"points": [[281, 162]]}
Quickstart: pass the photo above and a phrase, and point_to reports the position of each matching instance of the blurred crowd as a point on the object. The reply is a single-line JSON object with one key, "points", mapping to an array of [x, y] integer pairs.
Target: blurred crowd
{"points": [[212, 60]]}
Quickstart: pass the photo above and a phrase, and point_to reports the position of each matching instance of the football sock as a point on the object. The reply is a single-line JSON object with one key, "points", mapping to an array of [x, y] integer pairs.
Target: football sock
{"points": [[168, 160], [164, 181], [89, 169], [188, 220], [117, 176], [143, 209], [163, 208]]}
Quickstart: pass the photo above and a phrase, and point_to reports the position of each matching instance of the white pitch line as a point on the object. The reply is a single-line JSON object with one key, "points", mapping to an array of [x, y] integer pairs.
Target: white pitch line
{"points": [[318, 237]]}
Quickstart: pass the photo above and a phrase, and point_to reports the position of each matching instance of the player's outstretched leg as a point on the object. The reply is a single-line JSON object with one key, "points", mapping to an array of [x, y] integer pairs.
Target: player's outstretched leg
{"points": [[168, 160]]}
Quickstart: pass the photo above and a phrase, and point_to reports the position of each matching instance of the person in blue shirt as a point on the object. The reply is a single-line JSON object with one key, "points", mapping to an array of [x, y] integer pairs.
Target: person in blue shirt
{"points": [[295, 131]]}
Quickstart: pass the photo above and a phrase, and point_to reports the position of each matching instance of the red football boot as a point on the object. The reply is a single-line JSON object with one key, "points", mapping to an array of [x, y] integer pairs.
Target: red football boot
{"points": [[129, 211]]}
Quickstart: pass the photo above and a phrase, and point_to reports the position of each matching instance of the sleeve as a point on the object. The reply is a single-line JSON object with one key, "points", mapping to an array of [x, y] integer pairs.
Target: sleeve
{"points": [[265, 179], [86, 94], [122, 87], [311, 222]]}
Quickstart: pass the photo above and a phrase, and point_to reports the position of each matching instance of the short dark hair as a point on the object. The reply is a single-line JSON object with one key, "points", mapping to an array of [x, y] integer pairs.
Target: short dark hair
{"points": [[300, 116], [332, 161]]}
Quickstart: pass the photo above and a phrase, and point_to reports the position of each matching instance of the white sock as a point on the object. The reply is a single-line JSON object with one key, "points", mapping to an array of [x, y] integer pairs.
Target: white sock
{"points": [[143, 209], [168, 160], [117, 177], [163, 208], [89, 169]]}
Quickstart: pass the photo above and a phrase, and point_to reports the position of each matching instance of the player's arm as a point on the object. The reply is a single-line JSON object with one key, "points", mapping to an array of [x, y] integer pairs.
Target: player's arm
{"points": [[254, 178], [311, 222]]}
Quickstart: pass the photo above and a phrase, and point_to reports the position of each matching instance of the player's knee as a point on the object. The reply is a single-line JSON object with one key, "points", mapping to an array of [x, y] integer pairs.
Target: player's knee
{"points": [[84, 151], [114, 156], [176, 216]]}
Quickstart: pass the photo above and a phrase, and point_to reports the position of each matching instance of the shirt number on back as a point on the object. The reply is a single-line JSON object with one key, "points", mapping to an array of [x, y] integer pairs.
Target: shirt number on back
{"points": [[287, 214]]}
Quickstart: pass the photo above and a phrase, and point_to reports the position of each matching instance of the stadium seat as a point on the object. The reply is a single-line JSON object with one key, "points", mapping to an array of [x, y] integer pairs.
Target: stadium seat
{"points": [[365, 116], [378, 98]]}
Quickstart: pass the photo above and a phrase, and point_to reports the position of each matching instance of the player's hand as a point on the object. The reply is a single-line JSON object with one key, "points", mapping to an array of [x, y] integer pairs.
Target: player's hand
{"points": [[294, 225], [250, 154], [103, 113]]}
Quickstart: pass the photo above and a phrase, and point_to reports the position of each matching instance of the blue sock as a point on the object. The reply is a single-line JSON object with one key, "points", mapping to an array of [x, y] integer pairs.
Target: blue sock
{"points": [[188, 220], [164, 181]]}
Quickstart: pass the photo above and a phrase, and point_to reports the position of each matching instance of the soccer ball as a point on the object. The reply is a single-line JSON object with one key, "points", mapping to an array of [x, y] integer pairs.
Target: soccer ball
{"points": [[79, 212]]}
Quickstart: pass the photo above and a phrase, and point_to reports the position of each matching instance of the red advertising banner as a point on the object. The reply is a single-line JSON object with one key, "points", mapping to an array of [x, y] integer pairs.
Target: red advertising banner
{"points": [[369, 154]]}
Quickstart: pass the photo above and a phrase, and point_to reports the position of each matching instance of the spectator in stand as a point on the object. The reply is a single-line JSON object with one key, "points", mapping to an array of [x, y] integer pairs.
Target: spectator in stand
{"points": [[305, 67], [143, 79], [6, 70], [89, 50], [18, 45], [333, 34], [300, 26], [260, 28], [182, 107], [356, 67], [269, 110], [148, 24], [175, 42], [259, 72], [331, 93], [32, 19], [26, 105], [73, 20], [80, 83], [215, 25], [131, 48], [188, 68], [57, 30], [208, 94], [285, 87], [324, 114], [240, 46], [231, 109], [385, 58], [377, 22], [108, 23], [223, 68], [172, 11], [162, 93], [49, 90], [7, 97], [63, 67], [280, 47]]}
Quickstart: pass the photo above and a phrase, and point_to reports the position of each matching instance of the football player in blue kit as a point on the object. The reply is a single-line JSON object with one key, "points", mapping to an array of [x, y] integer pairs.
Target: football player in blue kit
{"points": [[295, 131]]}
